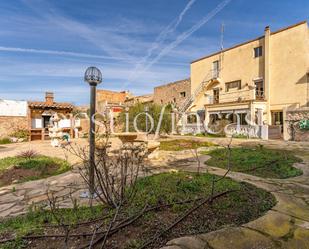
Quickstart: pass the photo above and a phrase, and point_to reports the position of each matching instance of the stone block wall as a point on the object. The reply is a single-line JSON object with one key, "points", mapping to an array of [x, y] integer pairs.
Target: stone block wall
{"points": [[293, 116], [9, 124], [172, 92]]}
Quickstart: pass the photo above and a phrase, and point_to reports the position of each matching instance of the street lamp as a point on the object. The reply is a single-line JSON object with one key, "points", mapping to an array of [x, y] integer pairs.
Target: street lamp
{"points": [[93, 77], [146, 111]]}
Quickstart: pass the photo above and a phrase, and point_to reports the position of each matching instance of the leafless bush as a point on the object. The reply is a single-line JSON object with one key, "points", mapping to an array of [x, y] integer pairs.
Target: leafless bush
{"points": [[195, 153], [228, 148], [116, 172], [28, 154]]}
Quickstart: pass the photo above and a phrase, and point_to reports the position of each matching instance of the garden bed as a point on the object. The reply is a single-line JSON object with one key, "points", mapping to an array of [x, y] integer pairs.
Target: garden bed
{"points": [[25, 168], [183, 144], [257, 161], [164, 191]]}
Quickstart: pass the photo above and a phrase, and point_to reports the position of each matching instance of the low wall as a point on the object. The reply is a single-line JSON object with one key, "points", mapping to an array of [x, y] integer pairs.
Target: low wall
{"points": [[10, 124], [294, 131]]}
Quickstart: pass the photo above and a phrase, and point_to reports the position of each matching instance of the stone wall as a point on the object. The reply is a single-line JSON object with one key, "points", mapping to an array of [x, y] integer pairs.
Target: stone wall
{"points": [[173, 92], [10, 124], [293, 117]]}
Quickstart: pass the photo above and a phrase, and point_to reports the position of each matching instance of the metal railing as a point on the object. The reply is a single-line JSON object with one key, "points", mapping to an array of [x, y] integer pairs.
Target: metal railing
{"points": [[197, 91]]}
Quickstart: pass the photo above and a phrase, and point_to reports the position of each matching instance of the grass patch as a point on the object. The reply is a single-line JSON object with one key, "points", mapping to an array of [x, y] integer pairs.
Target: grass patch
{"points": [[168, 188], [23, 169], [257, 161], [183, 144], [209, 135]]}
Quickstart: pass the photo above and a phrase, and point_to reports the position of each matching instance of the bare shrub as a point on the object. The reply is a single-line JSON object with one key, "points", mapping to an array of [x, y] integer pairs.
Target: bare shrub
{"points": [[115, 172], [28, 154]]}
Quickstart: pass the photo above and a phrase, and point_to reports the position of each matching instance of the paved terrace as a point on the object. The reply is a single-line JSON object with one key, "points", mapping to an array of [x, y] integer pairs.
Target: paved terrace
{"points": [[285, 226]]}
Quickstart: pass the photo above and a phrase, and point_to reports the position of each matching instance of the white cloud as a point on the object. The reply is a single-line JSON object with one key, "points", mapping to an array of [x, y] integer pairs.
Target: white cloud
{"points": [[55, 52]]}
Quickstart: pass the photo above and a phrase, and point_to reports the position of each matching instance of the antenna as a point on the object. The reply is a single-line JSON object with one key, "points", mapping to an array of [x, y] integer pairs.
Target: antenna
{"points": [[222, 35], [221, 46]]}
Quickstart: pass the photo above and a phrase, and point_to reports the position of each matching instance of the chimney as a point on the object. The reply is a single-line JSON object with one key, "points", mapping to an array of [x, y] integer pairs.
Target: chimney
{"points": [[267, 31], [49, 98]]}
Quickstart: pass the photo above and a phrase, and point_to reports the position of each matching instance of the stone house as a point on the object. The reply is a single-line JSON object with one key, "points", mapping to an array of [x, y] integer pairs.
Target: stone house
{"points": [[40, 112], [173, 93], [143, 99], [266, 75], [34, 117], [111, 99]]}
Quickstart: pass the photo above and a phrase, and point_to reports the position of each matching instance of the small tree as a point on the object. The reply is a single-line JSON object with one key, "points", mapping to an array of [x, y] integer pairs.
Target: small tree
{"points": [[154, 112]]}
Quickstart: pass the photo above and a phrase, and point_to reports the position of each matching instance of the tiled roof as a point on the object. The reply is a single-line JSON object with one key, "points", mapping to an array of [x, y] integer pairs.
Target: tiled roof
{"points": [[55, 105]]}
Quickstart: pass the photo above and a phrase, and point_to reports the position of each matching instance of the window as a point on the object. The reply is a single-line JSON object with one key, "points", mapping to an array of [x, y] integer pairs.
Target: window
{"points": [[183, 94], [174, 100], [258, 51], [215, 69], [232, 85], [216, 96], [259, 89], [277, 117]]}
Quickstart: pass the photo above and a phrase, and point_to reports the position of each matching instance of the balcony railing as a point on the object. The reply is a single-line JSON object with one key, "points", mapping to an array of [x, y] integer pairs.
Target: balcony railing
{"points": [[236, 96], [259, 94]]}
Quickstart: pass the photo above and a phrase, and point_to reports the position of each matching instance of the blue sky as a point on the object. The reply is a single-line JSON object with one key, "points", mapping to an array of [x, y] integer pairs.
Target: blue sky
{"points": [[137, 44]]}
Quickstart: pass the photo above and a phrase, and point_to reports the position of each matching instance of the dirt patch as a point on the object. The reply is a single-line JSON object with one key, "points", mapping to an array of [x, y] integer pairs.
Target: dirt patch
{"points": [[225, 211], [17, 174]]}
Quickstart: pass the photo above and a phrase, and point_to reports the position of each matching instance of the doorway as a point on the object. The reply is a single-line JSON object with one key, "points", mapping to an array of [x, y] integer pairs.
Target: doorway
{"points": [[46, 122]]}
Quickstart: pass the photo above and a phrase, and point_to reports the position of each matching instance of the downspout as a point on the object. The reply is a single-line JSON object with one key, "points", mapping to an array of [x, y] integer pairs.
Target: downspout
{"points": [[267, 72]]}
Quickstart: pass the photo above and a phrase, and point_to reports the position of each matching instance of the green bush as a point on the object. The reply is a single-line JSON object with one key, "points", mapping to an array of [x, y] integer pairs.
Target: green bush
{"points": [[5, 140], [21, 133], [154, 112]]}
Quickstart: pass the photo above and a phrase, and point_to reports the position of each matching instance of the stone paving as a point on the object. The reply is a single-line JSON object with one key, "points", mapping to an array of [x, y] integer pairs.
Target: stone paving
{"points": [[286, 225], [18, 198]]}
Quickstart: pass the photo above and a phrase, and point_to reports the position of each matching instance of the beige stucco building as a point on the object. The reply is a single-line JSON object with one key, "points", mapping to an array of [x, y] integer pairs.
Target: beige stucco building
{"points": [[266, 75]]}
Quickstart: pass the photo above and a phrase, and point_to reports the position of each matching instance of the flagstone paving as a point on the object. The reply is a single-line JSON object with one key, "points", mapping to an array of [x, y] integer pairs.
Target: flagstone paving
{"points": [[17, 199], [286, 225]]}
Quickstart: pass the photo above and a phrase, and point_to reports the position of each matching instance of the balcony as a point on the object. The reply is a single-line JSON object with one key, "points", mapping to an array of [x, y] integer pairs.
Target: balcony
{"points": [[236, 96], [259, 95]]}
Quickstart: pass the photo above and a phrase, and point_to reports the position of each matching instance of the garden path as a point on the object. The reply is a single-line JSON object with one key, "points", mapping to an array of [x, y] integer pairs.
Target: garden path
{"points": [[286, 225]]}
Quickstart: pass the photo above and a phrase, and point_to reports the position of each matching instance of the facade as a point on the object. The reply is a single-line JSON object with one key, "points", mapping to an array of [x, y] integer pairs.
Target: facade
{"points": [[111, 99], [267, 75], [40, 112], [173, 93], [13, 116], [34, 117]]}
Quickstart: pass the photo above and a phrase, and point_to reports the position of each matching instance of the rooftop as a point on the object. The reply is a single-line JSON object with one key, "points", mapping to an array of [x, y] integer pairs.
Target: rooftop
{"points": [[175, 82], [246, 42], [54, 105]]}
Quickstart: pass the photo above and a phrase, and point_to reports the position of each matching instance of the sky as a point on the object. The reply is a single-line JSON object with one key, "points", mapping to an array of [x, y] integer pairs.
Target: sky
{"points": [[47, 45]]}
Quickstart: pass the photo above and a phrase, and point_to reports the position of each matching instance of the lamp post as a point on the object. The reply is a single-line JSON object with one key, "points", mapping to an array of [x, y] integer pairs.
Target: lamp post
{"points": [[146, 111], [93, 77]]}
